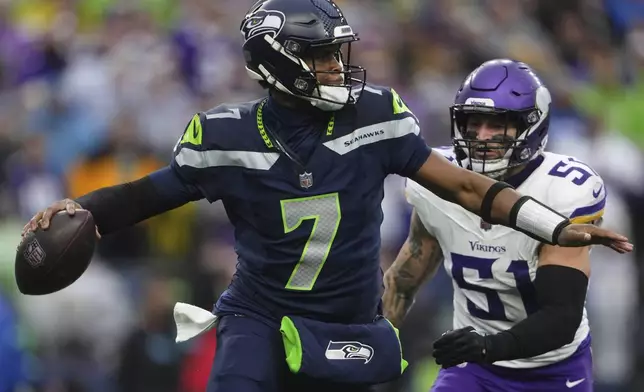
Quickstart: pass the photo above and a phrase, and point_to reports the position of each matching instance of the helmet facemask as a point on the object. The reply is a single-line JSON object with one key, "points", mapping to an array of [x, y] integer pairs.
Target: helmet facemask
{"points": [[305, 78], [292, 55], [329, 94], [506, 147], [511, 95]]}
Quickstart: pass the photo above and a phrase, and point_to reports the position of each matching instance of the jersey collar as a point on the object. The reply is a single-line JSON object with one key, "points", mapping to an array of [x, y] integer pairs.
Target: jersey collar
{"points": [[301, 117], [518, 179]]}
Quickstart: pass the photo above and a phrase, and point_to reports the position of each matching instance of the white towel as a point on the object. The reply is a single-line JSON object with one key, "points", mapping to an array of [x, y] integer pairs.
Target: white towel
{"points": [[192, 321]]}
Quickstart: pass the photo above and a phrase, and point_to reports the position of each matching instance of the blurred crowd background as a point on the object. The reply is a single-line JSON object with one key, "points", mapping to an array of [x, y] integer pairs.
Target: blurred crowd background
{"points": [[96, 92]]}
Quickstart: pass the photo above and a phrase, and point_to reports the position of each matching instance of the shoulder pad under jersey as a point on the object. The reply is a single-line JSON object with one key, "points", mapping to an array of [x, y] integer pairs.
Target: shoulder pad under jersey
{"points": [[379, 104], [222, 127], [447, 152], [573, 188], [224, 136]]}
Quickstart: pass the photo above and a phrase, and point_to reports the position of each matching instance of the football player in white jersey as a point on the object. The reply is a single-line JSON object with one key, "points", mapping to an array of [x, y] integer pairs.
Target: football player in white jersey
{"points": [[519, 317]]}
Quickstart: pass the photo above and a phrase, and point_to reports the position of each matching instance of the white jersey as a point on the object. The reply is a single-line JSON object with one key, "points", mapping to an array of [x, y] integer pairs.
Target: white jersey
{"points": [[492, 266]]}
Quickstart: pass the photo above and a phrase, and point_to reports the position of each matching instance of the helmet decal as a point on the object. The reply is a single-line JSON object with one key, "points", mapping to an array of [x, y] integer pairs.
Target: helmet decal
{"points": [[262, 22]]}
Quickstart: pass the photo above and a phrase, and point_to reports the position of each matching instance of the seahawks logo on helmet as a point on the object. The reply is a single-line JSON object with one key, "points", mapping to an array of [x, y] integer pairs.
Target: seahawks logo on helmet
{"points": [[349, 350], [262, 22]]}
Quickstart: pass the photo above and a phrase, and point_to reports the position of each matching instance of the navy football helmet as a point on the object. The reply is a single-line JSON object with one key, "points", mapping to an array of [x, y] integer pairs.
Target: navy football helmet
{"points": [[280, 34], [510, 92]]}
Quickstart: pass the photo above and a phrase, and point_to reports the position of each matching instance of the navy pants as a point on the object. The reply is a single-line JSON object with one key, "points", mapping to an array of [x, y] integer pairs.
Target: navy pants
{"points": [[250, 358]]}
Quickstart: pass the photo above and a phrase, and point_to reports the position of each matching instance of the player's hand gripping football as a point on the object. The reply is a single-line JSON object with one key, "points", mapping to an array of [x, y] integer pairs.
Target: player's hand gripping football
{"points": [[42, 218], [459, 346], [575, 235]]}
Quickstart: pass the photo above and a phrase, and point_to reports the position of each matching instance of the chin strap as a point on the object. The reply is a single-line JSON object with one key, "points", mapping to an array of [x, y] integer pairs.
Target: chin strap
{"points": [[333, 98]]}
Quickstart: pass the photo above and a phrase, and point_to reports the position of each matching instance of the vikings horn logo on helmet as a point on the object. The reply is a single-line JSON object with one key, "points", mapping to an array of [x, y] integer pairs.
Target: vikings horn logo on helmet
{"points": [[263, 22]]}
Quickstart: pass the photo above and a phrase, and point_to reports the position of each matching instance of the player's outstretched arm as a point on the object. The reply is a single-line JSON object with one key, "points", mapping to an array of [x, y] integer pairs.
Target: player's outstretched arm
{"points": [[417, 261], [498, 203], [117, 207], [560, 287]]}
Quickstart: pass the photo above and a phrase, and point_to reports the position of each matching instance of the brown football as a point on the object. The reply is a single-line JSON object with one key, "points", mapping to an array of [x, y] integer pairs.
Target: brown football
{"points": [[50, 260]]}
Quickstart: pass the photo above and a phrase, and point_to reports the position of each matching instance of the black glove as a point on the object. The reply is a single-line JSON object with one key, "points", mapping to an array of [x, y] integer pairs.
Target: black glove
{"points": [[459, 346]]}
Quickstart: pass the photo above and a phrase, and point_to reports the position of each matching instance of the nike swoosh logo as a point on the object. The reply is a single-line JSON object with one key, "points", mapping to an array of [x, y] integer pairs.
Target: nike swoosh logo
{"points": [[572, 384], [596, 194]]}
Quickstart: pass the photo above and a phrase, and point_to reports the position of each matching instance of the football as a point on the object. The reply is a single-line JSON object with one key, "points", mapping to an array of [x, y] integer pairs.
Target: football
{"points": [[50, 260]]}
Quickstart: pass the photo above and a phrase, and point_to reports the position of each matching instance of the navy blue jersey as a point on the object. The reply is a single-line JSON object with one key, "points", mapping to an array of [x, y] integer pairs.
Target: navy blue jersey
{"points": [[308, 235]]}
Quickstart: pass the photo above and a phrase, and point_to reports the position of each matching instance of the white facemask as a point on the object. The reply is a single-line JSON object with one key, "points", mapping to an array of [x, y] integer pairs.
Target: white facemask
{"points": [[336, 94]]}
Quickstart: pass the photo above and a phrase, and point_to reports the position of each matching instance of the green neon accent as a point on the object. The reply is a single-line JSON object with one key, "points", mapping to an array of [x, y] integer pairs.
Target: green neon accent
{"points": [[260, 124], [403, 363], [398, 104], [330, 125], [193, 133], [326, 213], [262, 130], [292, 344]]}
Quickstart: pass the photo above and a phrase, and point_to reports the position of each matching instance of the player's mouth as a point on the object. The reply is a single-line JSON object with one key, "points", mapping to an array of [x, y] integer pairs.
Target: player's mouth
{"points": [[487, 153], [332, 79], [335, 82]]}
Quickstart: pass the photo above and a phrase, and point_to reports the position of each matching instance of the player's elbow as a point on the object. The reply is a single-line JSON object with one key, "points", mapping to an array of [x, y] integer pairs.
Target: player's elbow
{"points": [[555, 328], [464, 185], [562, 294], [472, 190], [568, 321], [448, 181]]}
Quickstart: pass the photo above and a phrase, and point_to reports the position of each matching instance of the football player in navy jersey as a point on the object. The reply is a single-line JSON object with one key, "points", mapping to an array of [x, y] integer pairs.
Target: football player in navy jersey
{"points": [[300, 174]]}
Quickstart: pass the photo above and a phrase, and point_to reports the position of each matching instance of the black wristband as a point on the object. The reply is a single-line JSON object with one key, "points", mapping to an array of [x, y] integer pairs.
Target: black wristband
{"points": [[557, 232], [488, 199]]}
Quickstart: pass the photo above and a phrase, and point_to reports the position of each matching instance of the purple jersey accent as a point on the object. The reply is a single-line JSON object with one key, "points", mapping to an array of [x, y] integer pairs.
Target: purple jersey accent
{"points": [[574, 374]]}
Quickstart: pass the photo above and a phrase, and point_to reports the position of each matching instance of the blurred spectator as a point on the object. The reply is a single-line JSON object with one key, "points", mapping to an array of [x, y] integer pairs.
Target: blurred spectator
{"points": [[79, 330], [124, 157], [67, 127], [30, 180], [13, 361], [195, 370], [150, 359]]}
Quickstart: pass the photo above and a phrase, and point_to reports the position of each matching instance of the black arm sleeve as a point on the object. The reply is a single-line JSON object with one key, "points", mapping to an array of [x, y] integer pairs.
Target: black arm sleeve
{"points": [[117, 207], [561, 294]]}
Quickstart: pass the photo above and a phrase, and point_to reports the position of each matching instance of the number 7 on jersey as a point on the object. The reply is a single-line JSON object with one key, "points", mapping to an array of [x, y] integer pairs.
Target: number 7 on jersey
{"points": [[325, 211]]}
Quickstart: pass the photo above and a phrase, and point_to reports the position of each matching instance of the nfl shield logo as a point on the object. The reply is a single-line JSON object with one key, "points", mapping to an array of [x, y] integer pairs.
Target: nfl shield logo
{"points": [[34, 253], [306, 180], [485, 226]]}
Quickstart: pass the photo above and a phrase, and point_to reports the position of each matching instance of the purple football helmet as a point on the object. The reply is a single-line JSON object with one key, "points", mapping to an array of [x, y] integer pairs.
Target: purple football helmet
{"points": [[510, 92]]}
